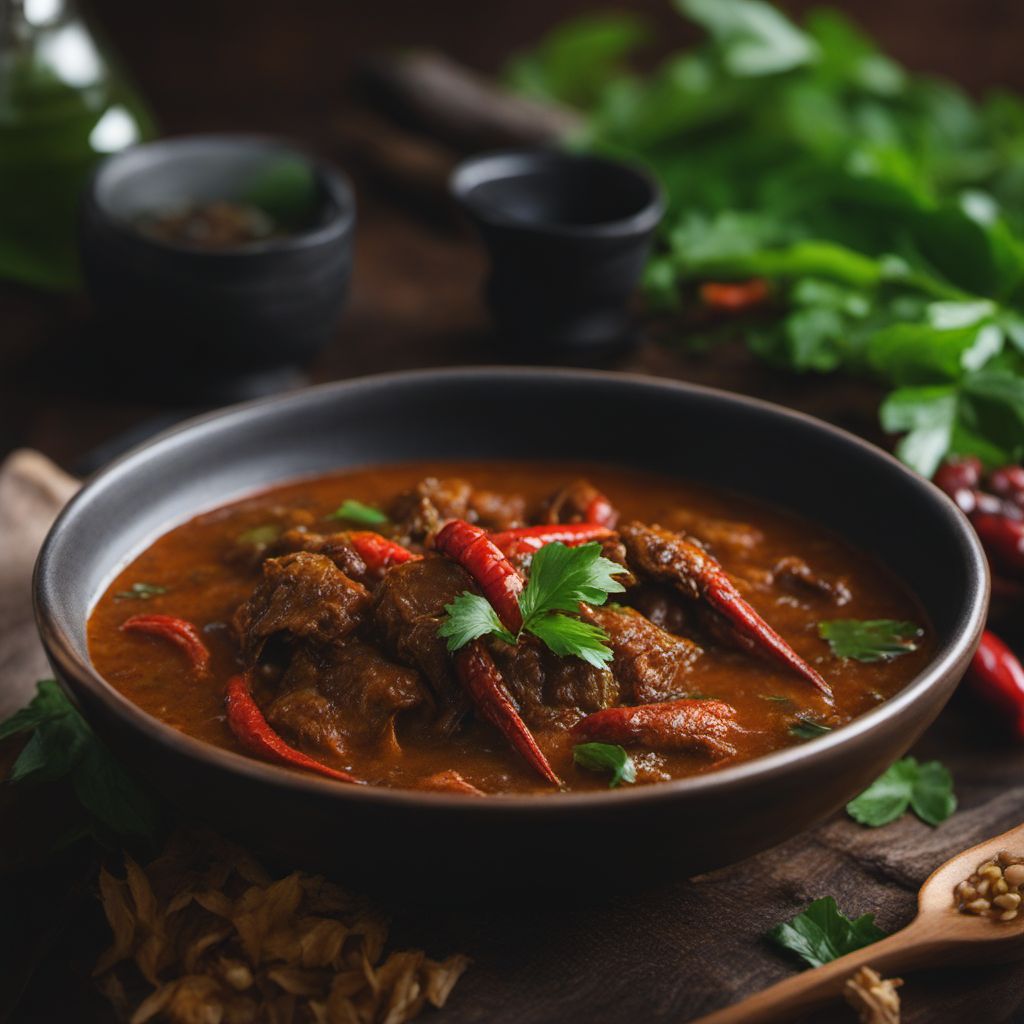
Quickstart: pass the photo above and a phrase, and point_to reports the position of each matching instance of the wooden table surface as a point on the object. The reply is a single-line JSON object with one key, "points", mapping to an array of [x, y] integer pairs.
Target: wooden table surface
{"points": [[221, 64]]}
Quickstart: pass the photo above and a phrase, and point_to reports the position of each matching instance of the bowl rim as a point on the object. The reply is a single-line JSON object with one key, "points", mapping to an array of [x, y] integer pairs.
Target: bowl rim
{"points": [[499, 164], [336, 183], [963, 638]]}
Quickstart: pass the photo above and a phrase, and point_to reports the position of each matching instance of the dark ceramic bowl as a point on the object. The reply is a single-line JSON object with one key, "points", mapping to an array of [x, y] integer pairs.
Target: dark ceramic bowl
{"points": [[225, 312], [568, 236], [632, 833]]}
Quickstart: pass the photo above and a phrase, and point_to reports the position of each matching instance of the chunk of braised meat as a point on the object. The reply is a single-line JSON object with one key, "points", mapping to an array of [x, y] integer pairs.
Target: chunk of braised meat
{"points": [[700, 725], [580, 502], [551, 691], [496, 511], [660, 556], [308, 720], [336, 546], [662, 605], [796, 576], [302, 595], [724, 536], [419, 513], [650, 664], [360, 693], [408, 610]]}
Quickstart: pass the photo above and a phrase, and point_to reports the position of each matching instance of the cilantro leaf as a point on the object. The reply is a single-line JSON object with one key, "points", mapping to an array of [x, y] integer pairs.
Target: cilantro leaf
{"points": [[888, 218], [753, 37], [927, 415], [260, 536], [568, 636], [933, 799], [140, 591], [48, 703], [870, 639], [926, 788], [356, 512], [111, 795], [807, 729], [822, 933], [601, 757], [561, 577], [471, 616], [63, 745]]}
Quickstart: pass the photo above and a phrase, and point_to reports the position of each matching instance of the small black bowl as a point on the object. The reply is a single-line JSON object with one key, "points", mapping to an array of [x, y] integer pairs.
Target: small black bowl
{"points": [[227, 312], [568, 237]]}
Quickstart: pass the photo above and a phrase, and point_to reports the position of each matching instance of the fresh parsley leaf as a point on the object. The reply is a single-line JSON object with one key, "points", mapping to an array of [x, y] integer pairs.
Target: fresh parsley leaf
{"points": [[870, 639], [63, 745], [260, 536], [602, 757], [111, 795], [140, 592], [567, 636], [471, 616], [754, 37], [927, 417], [48, 703], [807, 729], [822, 933], [561, 577], [889, 218], [356, 512], [926, 788]]}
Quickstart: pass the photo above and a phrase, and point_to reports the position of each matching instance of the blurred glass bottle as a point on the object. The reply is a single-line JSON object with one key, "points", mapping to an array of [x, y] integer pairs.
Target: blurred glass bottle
{"points": [[62, 107]]}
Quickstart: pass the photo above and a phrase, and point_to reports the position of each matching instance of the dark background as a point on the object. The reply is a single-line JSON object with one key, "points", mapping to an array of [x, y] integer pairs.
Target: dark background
{"points": [[285, 67]]}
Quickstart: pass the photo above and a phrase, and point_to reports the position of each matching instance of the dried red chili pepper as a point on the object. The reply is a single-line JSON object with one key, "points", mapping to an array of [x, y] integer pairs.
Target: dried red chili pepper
{"points": [[378, 552], [253, 732], [482, 680], [674, 725], [532, 538], [484, 561], [734, 296], [179, 632], [1002, 539], [997, 677]]}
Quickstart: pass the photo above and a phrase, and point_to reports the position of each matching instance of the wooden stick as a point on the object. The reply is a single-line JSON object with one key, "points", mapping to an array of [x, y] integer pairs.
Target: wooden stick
{"points": [[431, 93]]}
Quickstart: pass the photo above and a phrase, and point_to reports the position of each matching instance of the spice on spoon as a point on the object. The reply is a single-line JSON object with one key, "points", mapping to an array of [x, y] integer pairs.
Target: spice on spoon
{"points": [[994, 890]]}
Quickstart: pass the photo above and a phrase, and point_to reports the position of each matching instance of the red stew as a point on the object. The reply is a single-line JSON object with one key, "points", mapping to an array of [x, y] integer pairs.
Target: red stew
{"points": [[282, 628]]}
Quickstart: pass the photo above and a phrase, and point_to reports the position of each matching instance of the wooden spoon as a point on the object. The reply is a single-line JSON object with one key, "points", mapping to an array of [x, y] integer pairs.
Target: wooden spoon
{"points": [[939, 934]]}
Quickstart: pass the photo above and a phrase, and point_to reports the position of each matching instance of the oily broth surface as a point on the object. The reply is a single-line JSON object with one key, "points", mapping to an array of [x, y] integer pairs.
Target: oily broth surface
{"points": [[204, 587]]}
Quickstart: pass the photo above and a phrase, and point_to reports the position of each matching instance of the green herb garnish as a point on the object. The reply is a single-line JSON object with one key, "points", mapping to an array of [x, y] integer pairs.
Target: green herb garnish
{"points": [[776, 698], [260, 536], [822, 933], [356, 512], [888, 216], [603, 757], [927, 789], [807, 729], [870, 639], [560, 578], [140, 592], [62, 745]]}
